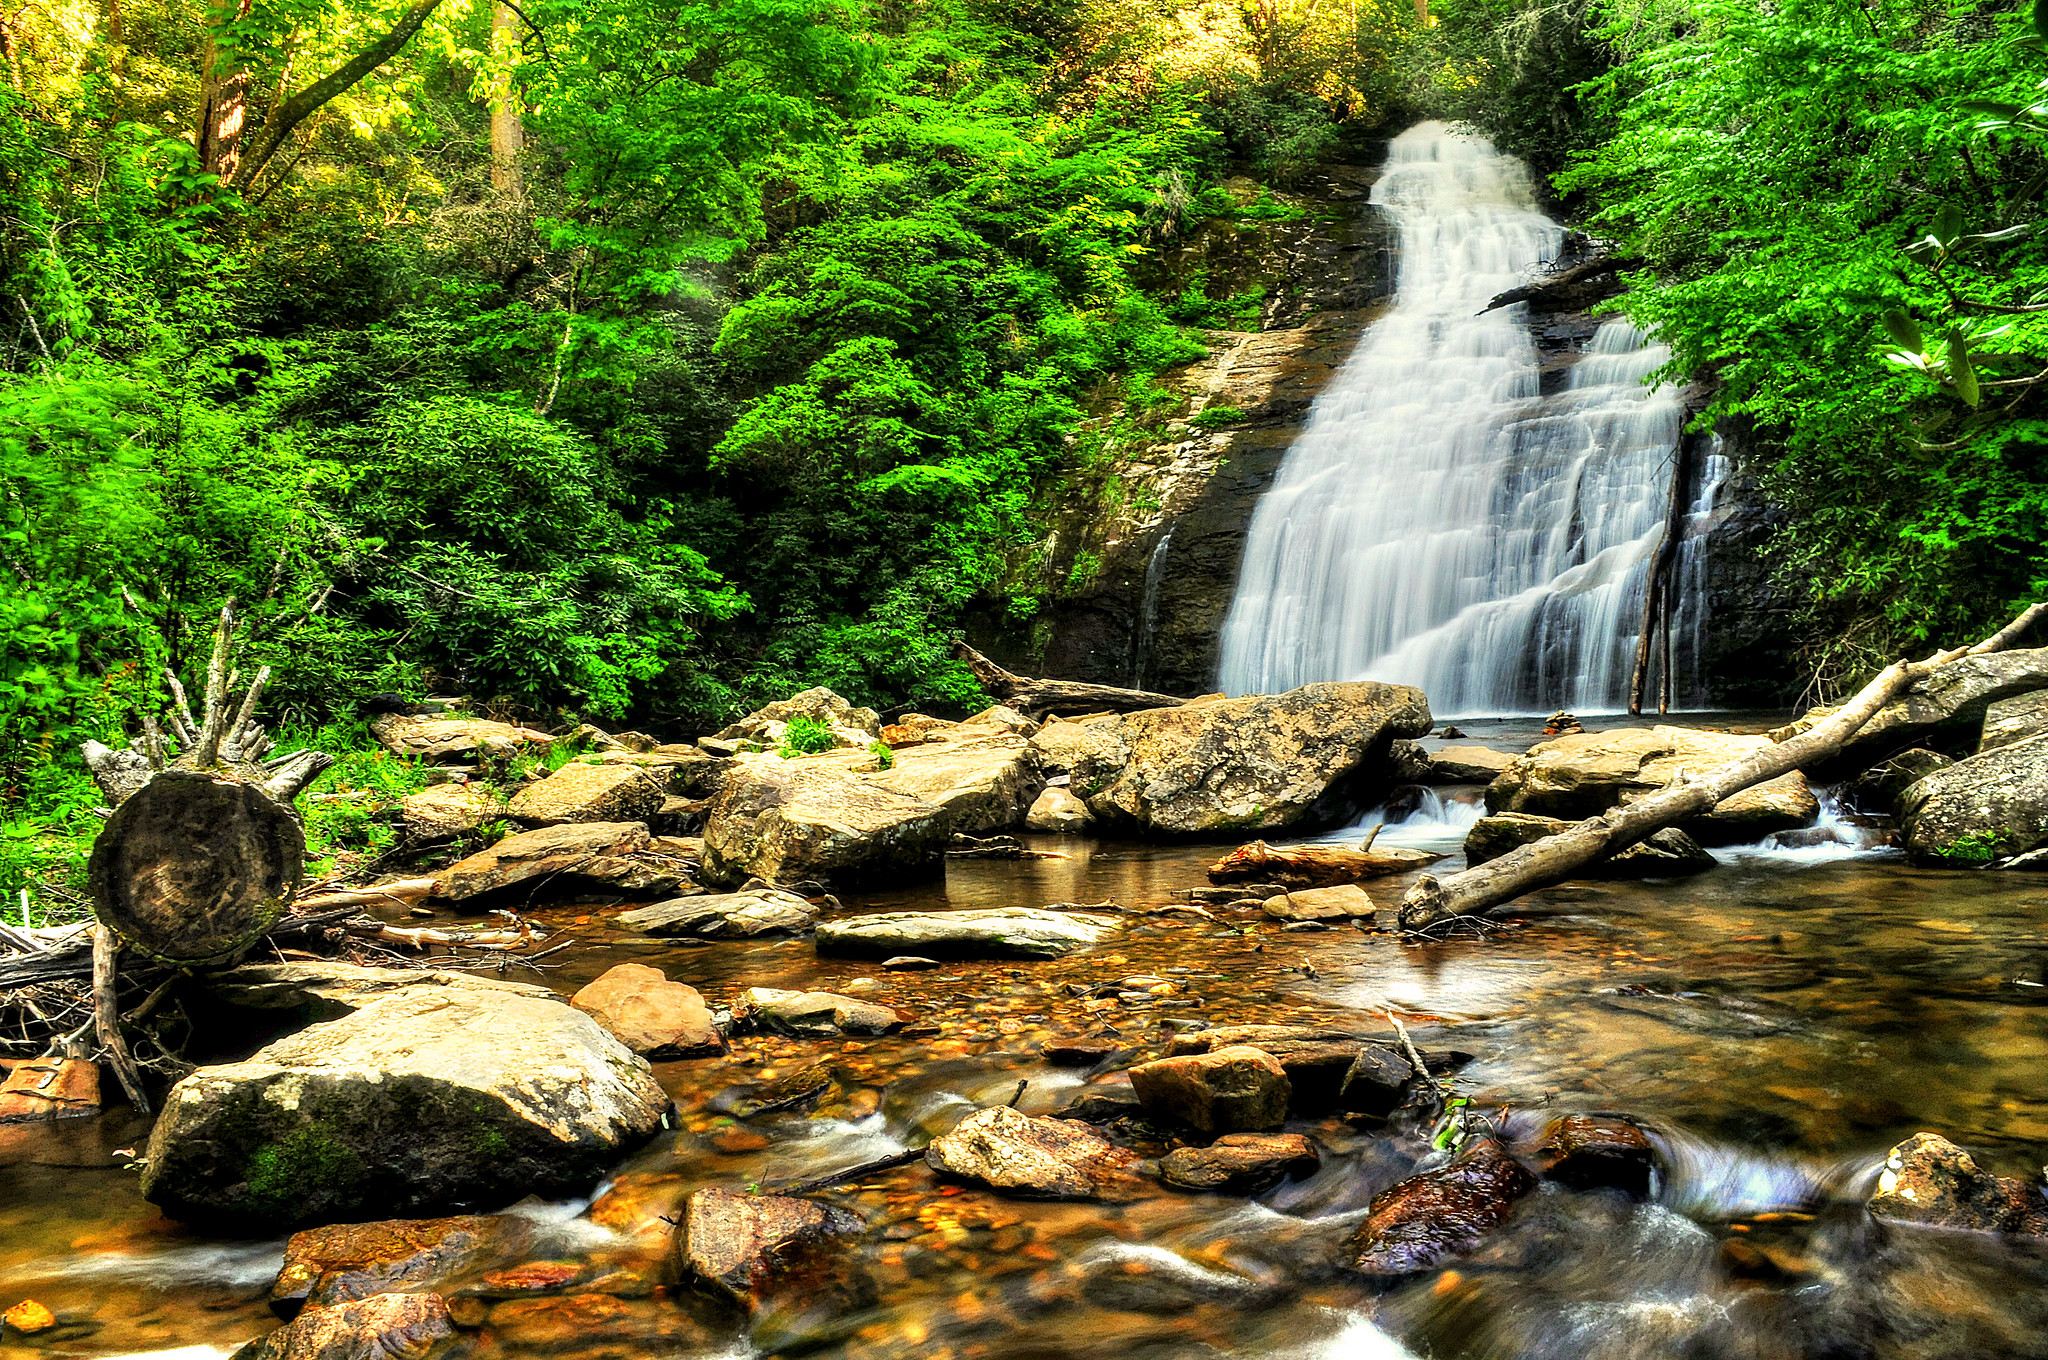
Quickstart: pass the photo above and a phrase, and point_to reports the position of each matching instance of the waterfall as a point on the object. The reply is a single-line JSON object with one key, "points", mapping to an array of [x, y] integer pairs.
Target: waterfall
{"points": [[1440, 522], [1148, 608]]}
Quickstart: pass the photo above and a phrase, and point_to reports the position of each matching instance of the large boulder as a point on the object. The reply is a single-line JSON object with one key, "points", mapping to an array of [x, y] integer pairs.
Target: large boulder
{"points": [[1669, 853], [619, 856], [1225, 1090], [1987, 807], [786, 821], [1427, 1219], [1946, 711], [725, 916], [1928, 1179], [1058, 810], [446, 811], [421, 1102], [997, 933], [327, 989], [1586, 773], [2014, 719], [1306, 758], [850, 726], [580, 792], [984, 785], [451, 741], [1036, 1157], [656, 1018]]}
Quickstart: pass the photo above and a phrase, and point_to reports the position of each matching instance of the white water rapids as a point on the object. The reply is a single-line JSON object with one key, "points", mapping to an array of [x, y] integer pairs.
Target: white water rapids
{"points": [[1441, 523]]}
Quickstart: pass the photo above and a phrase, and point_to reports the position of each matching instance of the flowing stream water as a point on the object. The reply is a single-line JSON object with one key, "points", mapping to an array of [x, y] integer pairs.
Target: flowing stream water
{"points": [[1441, 522]]}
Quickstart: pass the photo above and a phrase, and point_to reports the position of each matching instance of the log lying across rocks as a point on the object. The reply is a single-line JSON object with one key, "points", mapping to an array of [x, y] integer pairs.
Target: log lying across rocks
{"points": [[1313, 866], [1040, 697], [1555, 858]]}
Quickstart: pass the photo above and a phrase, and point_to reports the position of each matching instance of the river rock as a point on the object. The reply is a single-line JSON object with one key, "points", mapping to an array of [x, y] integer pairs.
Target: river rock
{"points": [[1087, 752], [327, 989], [591, 1326], [1668, 853], [1326, 1069], [1341, 903], [1430, 1218], [343, 1262], [997, 933], [2015, 719], [1987, 807], [454, 741], [764, 1252], [656, 1018], [983, 785], [814, 1014], [1928, 1179], [446, 811], [1584, 774], [1946, 711], [1037, 1157], [1305, 758], [725, 916], [1467, 765], [379, 1327], [498, 1096], [1241, 1163], [561, 859], [50, 1088], [1058, 810], [1879, 788], [580, 792], [1226, 1090], [1584, 1151], [784, 821], [850, 726]]}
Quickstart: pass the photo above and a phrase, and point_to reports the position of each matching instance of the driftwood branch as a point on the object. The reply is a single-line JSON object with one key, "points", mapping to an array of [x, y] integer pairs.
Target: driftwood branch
{"points": [[1555, 858], [1569, 290], [106, 1010], [1039, 697]]}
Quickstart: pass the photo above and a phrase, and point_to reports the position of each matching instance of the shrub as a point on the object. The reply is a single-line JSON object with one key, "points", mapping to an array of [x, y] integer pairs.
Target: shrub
{"points": [[805, 736]]}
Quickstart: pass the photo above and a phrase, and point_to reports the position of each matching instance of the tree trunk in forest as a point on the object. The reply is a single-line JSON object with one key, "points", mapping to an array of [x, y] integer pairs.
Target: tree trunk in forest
{"points": [[1555, 858], [1038, 697], [223, 109], [508, 129], [1661, 589]]}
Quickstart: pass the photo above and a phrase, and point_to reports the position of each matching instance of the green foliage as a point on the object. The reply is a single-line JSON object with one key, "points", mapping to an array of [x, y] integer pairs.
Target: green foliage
{"points": [[1216, 417], [806, 736], [884, 757], [1974, 849]]}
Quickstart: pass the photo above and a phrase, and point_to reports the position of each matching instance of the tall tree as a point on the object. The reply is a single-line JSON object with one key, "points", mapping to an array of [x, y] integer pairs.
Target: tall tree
{"points": [[508, 126]]}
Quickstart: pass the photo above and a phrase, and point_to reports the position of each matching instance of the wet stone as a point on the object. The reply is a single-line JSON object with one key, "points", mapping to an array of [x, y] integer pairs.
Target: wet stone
{"points": [[813, 1013], [1438, 1215], [1227, 1090], [593, 1327], [1153, 1280], [1036, 1157], [1240, 1163], [1586, 1151], [776, 1258], [379, 1327], [1928, 1179], [346, 1261]]}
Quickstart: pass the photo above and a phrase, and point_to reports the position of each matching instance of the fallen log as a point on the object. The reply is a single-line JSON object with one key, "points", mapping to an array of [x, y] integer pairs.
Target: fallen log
{"points": [[1569, 290], [402, 892], [1040, 697], [1313, 866], [1432, 901]]}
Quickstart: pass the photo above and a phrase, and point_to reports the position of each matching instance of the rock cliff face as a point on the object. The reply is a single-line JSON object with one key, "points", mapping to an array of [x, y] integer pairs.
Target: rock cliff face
{"points": [[1139, 556]]}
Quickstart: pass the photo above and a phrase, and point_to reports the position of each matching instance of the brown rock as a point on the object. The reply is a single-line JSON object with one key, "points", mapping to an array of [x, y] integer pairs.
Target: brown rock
{"points": [[50, 1088], [1059, 811], [784, 821], [759, 1251], [813, 1013], [647, 1013], [1326, 1069], [451, 741], [580, 792], [561, 859], [379, 1327], [1032, 1156], [986, 784], [1586, 1150], [343, 1262], [639, 1203], [1240, 1162], [1467, 765], [446, 811], [595, 1327], [1669, 853], [1226, 1090], [1928, 1179], [29, 1317], [1430, 1218], [1340, 903]]}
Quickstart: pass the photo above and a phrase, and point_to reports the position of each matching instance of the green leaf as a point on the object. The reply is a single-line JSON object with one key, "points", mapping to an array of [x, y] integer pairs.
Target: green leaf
{"points": [[1960, 371], [1901, 328], [2041, 19], [1948, 225]]}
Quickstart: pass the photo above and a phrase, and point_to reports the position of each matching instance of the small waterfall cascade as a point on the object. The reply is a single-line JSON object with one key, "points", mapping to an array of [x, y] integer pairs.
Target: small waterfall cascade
{"points": [[1148, 607], [1442, 523]]}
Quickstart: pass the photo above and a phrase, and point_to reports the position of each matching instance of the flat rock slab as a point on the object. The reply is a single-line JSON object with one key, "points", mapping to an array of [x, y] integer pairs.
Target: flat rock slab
{"points": [[1240, 1163], [999, 933], [1467, 765], [1430, 1218], [986, 785], [561, 859], [580, 792], [329, 989], [725, 916], [813, 1014], [1035, 1157], [343, 1262], [415, 1103]]}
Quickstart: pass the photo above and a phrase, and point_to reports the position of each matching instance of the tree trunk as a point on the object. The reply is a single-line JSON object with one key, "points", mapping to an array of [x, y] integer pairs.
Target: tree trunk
{"points": [[1313, 866], [1556, 858], [1660, 589], [508, 129], [223, 108], [1039, 697]]}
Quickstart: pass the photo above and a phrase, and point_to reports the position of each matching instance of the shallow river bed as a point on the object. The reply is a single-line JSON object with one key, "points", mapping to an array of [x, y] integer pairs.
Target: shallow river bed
{"points": [[1779, 1022]]}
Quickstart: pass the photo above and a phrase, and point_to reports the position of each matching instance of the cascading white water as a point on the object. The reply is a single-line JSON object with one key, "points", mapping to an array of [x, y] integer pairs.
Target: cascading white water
{"points": [[1440, 522]]}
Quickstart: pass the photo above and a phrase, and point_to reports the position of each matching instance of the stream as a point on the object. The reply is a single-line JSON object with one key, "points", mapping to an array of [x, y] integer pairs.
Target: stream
{"points": [[1778, 1023]]}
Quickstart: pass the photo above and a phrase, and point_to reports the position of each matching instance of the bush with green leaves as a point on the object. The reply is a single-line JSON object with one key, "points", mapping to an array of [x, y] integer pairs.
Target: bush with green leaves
{"points": [[804, 735]]}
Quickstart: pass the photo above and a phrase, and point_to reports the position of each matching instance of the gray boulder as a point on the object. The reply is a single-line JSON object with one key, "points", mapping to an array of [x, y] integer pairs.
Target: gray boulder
{"points": [[421, 1102], [1946, 711], [1991, 806], [786, 821], [998, 933], [1058, 810], [2014, 719], [985, 784]]}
